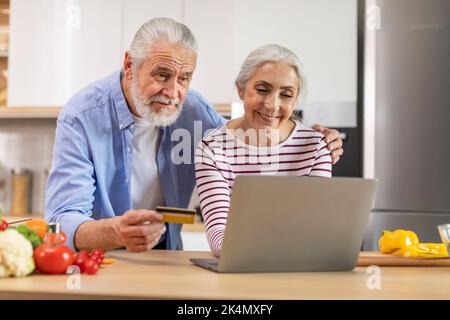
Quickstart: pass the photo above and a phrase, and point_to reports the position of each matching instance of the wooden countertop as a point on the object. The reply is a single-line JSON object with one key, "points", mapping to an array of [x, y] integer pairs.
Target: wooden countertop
{"points": [[170, 275]]}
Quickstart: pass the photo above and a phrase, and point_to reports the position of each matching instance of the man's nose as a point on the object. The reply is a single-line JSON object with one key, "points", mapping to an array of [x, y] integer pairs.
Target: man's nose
{"points": [[171, 89]]}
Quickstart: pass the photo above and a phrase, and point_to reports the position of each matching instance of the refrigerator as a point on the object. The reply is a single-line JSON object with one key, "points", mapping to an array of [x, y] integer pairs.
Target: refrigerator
{"points": [[405, 65]]}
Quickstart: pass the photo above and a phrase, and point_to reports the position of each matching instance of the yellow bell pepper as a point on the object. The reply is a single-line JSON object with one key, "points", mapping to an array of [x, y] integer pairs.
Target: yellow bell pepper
{"points": [[423, 250], [433, 250], [398, 239], [405, 243]]}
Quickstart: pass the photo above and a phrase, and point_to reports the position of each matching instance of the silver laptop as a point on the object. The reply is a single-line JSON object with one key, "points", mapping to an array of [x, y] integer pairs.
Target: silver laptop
{"points": [[287, 223]]}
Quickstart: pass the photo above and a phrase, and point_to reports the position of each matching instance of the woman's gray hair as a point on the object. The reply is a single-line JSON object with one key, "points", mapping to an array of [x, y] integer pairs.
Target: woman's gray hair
{"points": [[160, 29], [272, 53]]}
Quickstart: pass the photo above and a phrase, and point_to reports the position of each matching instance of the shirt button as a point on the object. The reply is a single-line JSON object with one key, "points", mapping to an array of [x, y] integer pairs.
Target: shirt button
{"points": [[121, 126], [129, 149], [126, 180]]}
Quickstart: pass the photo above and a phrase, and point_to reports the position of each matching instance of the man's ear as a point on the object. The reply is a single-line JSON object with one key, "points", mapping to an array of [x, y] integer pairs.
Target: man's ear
{"points": [[127, 66]]}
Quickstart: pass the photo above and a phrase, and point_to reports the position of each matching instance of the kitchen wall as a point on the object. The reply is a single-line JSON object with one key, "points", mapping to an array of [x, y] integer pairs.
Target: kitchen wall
{"points": [[28, 144]]}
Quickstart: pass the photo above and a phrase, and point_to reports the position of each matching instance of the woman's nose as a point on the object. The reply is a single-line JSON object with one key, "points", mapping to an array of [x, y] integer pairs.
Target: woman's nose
{"points": [[272, 103]]}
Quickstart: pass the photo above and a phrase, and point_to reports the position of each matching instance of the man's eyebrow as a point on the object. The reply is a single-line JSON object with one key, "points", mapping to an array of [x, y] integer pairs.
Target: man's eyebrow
{"points": [[162, 69]]}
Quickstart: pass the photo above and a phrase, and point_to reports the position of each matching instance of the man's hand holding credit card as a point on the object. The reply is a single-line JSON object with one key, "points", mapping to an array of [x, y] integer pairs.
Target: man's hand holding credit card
{"points": [[138, 230]]}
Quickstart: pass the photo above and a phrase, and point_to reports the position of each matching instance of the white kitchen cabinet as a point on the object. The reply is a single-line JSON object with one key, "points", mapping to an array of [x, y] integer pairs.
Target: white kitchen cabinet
{"points": [[137, 12], [57, 47], [212, 24], [322, 32]]}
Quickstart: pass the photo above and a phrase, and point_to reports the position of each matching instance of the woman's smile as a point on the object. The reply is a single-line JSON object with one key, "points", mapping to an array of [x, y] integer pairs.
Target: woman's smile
{"points": [[266, 117]]}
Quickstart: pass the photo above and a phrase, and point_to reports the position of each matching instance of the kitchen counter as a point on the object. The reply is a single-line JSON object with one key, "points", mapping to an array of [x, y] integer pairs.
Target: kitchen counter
{"points": [[169, 275]]}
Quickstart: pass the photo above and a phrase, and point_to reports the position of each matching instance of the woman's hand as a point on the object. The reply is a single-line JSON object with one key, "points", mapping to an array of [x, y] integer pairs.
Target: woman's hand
{"points": [[333, 141]]}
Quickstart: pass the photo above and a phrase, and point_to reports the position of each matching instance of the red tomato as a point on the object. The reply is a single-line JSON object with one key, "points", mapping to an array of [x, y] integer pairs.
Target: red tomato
{"points": [[91, 266], [84, 255], [53, 259], [3, 225], [55, 238], [80, 258]]}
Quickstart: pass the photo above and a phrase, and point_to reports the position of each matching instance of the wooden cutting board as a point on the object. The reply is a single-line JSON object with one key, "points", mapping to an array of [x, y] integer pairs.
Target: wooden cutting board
{"points": [[368, 258]]}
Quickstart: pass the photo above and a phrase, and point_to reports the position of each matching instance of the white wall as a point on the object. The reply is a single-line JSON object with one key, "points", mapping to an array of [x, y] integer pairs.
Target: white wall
{"points": [[27, 144]]}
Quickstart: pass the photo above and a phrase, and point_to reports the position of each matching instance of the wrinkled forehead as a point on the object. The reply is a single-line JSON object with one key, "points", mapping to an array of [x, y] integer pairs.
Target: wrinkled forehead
{"points": [[276, 73], [171, 56]]}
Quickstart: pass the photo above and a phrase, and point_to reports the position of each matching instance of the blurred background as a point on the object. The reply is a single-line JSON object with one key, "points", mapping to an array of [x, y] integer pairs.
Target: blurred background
{"points": [[378, 71]]}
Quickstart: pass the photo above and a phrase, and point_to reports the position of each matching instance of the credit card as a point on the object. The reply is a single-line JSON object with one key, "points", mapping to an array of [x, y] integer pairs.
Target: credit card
{"points": [[177, 215]]}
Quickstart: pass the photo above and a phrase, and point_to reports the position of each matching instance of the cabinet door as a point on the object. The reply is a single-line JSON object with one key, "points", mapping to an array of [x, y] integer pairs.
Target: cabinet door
{"points": [[323, 33], [137, 12], [57, 47], [212, 24]]}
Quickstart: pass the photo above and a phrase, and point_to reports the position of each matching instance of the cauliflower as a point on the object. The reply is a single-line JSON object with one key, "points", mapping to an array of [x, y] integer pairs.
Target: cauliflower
{"points": [[16, 254]]}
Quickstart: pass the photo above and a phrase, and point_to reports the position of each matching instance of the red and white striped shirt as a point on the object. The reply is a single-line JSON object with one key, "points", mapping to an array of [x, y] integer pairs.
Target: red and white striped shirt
{"points": [[220, 157]]}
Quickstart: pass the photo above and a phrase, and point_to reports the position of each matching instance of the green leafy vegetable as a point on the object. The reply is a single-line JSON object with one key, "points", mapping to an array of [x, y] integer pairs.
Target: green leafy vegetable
{"points": [[30, 235]]}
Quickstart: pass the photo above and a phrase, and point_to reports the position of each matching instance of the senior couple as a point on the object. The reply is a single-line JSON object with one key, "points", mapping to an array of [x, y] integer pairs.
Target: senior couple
{"points": [[112, 161]]}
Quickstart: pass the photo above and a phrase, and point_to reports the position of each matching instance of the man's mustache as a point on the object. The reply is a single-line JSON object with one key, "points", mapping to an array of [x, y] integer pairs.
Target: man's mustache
{"points": [[164, 100]]}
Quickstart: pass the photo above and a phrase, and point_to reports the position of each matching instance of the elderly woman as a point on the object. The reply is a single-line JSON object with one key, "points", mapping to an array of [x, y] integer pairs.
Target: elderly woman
{"points": [[266, 140]]}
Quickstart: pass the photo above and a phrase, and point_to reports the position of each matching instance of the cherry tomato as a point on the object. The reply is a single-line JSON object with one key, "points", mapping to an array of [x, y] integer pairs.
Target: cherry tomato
{"points": [[98, 252], [91, 266], [53, 259], [3, 225], [97, 255], [97, 259], [80, 258]]}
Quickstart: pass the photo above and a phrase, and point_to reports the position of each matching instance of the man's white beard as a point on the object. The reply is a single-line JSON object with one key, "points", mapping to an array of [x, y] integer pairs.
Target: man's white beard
{"points": [[144, 110]]}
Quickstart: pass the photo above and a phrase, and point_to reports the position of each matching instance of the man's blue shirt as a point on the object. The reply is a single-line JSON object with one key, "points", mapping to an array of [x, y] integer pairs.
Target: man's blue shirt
{"points": [[92, 157]]}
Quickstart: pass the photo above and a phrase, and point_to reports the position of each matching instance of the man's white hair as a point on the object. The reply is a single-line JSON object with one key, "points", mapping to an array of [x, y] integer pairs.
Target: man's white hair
{"points": [[158, 29]]}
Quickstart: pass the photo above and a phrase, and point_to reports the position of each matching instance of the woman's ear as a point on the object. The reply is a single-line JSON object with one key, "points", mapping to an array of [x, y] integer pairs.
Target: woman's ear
{"points": [[240, 91]]}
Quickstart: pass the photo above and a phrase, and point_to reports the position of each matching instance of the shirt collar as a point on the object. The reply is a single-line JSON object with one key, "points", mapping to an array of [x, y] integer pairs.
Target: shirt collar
{"points": [[123, 112], [139, 122]]}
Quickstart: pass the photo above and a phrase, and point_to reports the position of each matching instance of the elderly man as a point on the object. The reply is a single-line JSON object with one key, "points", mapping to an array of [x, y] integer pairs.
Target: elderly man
{"points": [[112, 160]]}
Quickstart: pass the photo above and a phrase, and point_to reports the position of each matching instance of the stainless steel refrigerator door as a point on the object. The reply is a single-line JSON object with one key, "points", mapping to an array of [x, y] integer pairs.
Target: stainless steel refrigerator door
{"points": [[412, 126]]}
